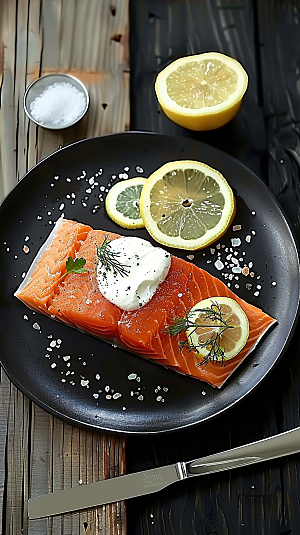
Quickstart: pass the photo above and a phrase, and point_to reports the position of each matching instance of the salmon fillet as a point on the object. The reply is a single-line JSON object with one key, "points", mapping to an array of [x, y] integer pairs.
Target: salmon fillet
{"points": [[75, 299]]}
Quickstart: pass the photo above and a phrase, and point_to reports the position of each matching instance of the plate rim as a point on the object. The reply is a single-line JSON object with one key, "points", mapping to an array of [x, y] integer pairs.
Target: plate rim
{"points": [[294, 241]]}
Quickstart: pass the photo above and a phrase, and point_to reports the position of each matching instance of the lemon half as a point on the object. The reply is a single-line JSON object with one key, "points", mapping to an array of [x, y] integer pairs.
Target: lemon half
{"points": [[233, 330], [202, 92], [186, 205], [122, 202]]}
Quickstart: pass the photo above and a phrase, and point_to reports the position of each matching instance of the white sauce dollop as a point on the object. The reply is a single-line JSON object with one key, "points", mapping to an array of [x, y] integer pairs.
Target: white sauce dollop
{"points": [[146, 267]]}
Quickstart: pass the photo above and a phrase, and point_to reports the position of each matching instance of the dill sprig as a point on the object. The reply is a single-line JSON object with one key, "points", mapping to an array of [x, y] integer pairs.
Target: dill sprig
{"points": [[109, 259], [208, 317]]}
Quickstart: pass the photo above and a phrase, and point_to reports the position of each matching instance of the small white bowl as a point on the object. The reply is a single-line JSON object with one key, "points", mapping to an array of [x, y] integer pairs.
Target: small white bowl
{"points": [[37, 87]]}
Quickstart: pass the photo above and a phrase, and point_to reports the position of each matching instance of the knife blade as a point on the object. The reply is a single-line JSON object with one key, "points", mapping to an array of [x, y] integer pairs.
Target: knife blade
{"points": [[155, 479]]}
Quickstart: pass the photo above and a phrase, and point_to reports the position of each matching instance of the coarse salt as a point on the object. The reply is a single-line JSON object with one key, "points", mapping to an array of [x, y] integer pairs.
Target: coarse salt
{"points": [[59, 104]]}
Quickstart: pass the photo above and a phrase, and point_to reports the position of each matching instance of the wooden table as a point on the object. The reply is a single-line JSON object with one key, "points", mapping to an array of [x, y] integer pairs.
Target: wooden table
{"points": [[90, 38]]}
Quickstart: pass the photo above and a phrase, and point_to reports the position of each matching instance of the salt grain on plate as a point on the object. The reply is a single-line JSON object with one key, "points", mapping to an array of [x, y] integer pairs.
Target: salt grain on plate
{"points": [[219, 265], [59, 104], [235, 242]]}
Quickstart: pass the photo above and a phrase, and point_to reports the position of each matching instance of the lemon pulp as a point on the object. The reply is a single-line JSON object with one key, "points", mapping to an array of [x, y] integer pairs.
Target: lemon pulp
{"points": [[187, 205], [197, 85], [231, 332], [201, 92], [122, 203]]}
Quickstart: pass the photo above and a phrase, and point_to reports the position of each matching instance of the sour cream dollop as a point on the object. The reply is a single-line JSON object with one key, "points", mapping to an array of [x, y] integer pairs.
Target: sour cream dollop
{"points": [[146, 268]]}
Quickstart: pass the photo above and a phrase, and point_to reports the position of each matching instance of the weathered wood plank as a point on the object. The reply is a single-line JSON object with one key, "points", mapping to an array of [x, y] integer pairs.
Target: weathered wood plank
{"points": [[40, 37], [15, 516], [50, 37], [5, 387]]}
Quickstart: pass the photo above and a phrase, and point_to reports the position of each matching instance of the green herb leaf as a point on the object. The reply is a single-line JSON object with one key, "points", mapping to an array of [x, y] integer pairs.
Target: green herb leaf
{"points": [[75, 266]]}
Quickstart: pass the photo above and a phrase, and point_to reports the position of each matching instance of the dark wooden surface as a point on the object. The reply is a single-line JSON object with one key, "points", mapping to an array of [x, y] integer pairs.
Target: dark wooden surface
{"points": [[264, 36]]}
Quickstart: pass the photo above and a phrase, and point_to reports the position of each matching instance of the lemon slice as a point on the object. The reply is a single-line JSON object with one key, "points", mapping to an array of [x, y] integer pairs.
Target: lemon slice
{"points": [[220, 328], [186, 205], [122, 202], [202, 92]]}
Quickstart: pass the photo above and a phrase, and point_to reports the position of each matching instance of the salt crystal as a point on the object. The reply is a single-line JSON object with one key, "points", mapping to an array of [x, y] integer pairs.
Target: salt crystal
{"points": [[235, 242], [132, 376], [59, 104], [219, 265], [84, 382]]}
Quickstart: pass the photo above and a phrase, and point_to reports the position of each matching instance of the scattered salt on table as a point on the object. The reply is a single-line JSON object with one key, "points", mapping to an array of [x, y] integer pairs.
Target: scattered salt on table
{"points": [[59, 104]]}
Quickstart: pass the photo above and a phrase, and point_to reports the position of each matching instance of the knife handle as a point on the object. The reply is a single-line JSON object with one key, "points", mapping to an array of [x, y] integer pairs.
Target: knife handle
{"points": [[267, 449]]}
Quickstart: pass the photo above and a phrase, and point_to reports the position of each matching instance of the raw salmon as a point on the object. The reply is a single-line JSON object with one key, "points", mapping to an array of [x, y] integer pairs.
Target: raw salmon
{"points": [[75, 299]]}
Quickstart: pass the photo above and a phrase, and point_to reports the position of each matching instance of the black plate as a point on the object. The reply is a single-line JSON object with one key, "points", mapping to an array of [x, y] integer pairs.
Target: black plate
{"points": [[157, 400]]}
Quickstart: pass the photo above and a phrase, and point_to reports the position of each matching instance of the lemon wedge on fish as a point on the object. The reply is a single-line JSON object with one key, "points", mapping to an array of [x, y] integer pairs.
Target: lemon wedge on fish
{"points": [[218, 328]]}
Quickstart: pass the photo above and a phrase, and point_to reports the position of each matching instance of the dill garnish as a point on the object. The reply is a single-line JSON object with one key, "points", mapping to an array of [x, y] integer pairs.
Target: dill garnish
{"points": [[209, 317], [109, 259]]}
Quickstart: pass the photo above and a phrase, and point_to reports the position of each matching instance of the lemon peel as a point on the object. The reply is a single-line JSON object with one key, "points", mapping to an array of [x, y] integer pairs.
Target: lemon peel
{"points": [[230, 333], [187, 205], [122, 202], [201, 92]]}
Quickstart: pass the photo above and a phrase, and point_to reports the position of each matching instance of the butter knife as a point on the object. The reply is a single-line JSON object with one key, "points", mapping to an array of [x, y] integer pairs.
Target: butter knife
{"points": [[149, 481]]}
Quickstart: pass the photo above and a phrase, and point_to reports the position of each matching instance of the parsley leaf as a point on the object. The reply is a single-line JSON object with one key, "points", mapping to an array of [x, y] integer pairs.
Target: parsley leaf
{"points": [[75, 266]]}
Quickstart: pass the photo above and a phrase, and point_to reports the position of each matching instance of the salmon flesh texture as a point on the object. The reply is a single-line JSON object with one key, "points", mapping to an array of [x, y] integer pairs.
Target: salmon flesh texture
{"points": [[76, 300]]}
